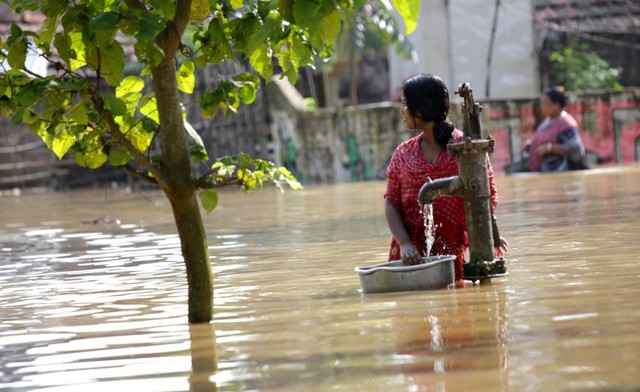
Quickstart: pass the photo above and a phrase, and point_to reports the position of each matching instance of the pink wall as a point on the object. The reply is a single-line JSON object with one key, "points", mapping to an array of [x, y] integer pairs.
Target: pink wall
{"points": [[609, 125]]}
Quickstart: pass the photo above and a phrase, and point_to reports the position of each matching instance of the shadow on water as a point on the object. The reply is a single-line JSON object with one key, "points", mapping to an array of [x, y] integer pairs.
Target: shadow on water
{"points": [[102, 306]]}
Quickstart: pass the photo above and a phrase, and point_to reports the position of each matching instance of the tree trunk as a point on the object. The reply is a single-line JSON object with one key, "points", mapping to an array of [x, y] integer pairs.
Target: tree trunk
{"points": [[181, 192], [195, 251]]}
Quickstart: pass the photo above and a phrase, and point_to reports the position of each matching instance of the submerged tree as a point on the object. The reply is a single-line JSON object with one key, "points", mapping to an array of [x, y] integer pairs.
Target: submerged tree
{"points": [[89, 108]]}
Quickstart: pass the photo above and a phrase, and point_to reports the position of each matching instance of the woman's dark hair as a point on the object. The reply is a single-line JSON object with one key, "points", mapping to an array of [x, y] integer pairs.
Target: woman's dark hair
{"points": [[556, 95], [428, 99]]}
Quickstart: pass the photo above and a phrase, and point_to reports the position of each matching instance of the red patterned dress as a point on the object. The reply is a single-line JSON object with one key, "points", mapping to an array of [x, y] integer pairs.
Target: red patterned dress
{"points": [[407, 172]]}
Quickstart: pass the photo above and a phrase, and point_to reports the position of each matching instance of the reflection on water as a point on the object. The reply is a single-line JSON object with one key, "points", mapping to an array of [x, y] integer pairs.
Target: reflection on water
{"points": [[102, 306]]}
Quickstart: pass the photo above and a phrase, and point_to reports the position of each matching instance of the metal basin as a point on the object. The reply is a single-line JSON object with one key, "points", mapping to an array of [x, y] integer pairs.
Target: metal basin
{"points": [[436, 272]]}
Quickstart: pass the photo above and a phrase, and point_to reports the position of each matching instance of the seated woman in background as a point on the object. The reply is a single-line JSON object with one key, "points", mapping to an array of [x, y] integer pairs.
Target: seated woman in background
{"points": [[556, 144]]}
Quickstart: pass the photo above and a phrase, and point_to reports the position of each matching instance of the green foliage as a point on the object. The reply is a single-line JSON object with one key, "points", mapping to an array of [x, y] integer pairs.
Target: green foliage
{"points": [[209, 199], [374, 28], [250, 173], [579, 69], [91, 109], [229, 94], [409, 11]]}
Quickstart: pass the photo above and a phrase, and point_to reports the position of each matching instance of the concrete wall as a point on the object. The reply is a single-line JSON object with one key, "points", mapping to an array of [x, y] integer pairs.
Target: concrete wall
{"points": [[332, 145], [356, 143], [452, 40]]}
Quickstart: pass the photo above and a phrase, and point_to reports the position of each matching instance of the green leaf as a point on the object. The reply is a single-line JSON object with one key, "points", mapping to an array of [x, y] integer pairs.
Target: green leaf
{"points": [[109, 60], [62, 44], [37, 127], [48, 30], [129, 85], [78, 113], [46, 134], [145, 100], [104, 5], [215, 43], [150, 109], [241, 30], [149, 125], [16, 35], [289, 178], [17, 54], [248, 84], [200, 10], [107, 21], [149, 53], [301, 53], [260, 59], [305, 12], [29, 117], [195, 136], [186, 77], [115, 105], [289, 67], [166, 8], [247, 94], [17, 118], [271, 27], [119, 157], [209, 102], [77, 53], [330, 26], [74, 85], [62, 142], [94, 158], [150, 26], [113, 64], [31, 93], [139, 137], [20, 5], [409, 10], [209, 199], [198, 154], [286, 9], [53, 8]]}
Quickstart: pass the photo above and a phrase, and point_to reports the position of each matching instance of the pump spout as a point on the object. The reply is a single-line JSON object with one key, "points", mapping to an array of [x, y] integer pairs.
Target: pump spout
{"points": [[450, 186]]}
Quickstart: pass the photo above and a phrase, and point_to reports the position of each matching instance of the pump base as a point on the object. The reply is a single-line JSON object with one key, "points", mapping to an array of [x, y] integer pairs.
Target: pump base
{"points": [[484, 270]]}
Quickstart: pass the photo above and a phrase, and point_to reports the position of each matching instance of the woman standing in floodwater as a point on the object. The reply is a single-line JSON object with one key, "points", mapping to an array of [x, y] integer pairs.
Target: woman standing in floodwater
{"points": [[425, 108], [556, 144]]}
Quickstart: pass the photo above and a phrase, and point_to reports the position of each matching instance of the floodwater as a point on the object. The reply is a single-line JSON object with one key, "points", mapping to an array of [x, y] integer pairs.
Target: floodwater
{"points": [[101, 306]]}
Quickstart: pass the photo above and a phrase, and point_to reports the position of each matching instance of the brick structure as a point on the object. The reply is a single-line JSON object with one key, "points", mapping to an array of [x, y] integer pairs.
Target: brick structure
{"points": [[610, 27]]}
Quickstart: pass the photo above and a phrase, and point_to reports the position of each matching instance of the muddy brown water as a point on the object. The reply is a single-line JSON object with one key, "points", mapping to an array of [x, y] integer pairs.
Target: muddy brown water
{"points": [[101, 306]]}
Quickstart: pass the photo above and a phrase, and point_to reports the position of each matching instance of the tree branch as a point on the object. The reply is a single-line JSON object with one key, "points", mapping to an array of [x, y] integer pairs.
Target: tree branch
{"points": [[140, 175], [170, 39], [114, 130], [183, 14], [201, 184], [203, 181]]}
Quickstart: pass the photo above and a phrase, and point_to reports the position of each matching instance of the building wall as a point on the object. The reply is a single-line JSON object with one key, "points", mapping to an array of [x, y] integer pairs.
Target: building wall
{"points": [[609, 125], [452, 41], [355, 144]]}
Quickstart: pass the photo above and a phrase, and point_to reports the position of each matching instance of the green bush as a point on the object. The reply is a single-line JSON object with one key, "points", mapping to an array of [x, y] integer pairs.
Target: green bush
{"points": [[577, 68]]}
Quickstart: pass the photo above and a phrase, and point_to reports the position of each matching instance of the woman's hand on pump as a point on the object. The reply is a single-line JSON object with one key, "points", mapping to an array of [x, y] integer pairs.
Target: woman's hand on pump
{"points": [[503, 248]]}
